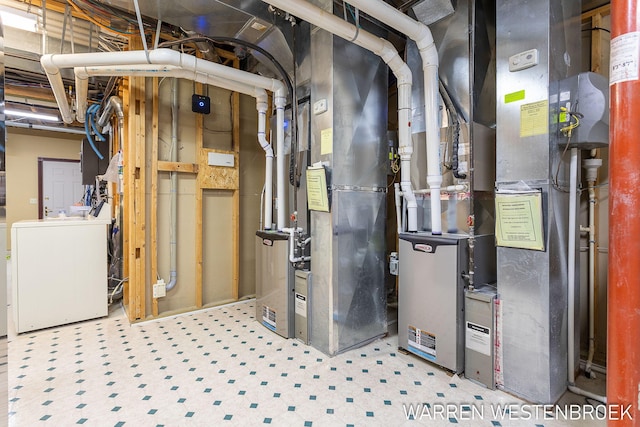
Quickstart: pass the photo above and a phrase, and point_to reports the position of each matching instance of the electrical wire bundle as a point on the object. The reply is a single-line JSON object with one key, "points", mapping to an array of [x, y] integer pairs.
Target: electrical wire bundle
{"points": [[90, 126]]}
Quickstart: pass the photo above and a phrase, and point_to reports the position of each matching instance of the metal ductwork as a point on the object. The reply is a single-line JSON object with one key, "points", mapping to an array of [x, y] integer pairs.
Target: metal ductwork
{"points": [[532, 284], [250, 21]]}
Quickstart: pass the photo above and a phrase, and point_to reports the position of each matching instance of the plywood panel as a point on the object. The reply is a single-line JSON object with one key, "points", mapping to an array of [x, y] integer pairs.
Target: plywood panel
{"points": [[218, 177]]}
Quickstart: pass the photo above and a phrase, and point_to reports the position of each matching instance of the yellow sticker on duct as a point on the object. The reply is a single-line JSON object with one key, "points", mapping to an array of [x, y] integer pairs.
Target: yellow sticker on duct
{"points": [[534, 119], [326, 141], [514, 96]]}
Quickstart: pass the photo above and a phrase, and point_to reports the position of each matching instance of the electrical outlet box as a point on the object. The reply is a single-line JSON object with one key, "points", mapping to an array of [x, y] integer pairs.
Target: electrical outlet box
{"points": [[320, 106], [159, 289], [523, 60]]}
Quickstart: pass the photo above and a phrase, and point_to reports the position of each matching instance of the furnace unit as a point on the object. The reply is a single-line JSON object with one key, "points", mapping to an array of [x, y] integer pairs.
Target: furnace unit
{"points": [[274, 283], [430, 297]]}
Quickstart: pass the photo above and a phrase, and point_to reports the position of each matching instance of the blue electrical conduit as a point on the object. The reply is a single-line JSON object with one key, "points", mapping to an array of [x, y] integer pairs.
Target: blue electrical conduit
{"points": [[90, 138], [92, 119]]}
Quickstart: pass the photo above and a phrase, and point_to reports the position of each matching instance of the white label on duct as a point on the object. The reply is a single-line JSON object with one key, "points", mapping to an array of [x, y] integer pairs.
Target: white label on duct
{"points": [[301, 305], [478, 338], [624, 58], [565, 96]]}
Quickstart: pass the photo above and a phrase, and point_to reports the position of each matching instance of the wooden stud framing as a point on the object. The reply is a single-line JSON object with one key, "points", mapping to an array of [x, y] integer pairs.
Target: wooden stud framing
{"points": [[153, 220], [177, 167], [602, 10], [596, 44], [135, 210], [134, 190], [126, 183], [138, 213]]}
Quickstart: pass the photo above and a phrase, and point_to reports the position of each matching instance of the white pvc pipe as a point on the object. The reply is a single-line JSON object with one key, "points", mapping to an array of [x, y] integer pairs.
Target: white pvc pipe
{"points": [[571, 268], [192, 66], [155, 70], [383, 48], [268, 170], [280, 102], [592, 277], [422, 35], [11, 123], [456, 188], [292, 259], [52, 63], [398, 199], [434, 177]]}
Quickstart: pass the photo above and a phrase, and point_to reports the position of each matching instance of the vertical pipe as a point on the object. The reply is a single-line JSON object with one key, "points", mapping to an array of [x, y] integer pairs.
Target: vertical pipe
{"points": [[280, 101], [268, 169], [571, 268], [623, 326], [173, 214], [592, 277]]}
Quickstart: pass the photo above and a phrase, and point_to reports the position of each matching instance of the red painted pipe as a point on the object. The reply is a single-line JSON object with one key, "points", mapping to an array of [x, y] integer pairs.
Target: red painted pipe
{"points": [[623, 330]]}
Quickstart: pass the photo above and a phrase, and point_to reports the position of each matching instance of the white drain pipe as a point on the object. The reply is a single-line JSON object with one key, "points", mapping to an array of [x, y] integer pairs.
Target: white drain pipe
{"points": [[571, 282], [292, 236], [194, 69], [421, 34], [591, 167], [381, 47], [146, 70]]}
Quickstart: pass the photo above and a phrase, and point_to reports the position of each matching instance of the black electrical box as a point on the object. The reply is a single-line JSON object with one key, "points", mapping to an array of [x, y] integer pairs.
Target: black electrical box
{"points": [[90, 164], [200, 104]]}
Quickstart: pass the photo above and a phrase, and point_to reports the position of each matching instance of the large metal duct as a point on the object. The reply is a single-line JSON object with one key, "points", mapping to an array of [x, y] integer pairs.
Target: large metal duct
{"points": [[348, 299], [533, 284], [467, 71]]}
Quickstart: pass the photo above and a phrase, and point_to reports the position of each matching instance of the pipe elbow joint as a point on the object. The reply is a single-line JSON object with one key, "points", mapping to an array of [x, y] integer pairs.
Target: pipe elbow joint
{"points": [[116, 103], [47, 63], [81, 73], [166, 57], [424, 38], [278, 89], [407, 192]]}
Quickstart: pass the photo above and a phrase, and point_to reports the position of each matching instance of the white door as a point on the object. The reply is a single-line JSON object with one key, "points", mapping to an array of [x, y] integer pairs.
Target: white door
{"points": [[61, 186]]}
